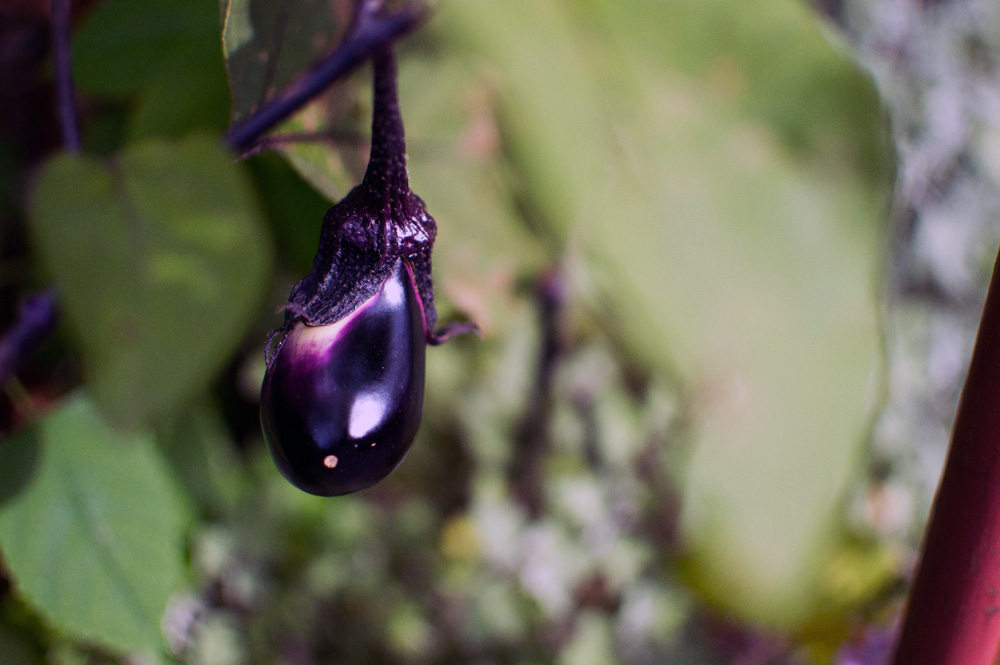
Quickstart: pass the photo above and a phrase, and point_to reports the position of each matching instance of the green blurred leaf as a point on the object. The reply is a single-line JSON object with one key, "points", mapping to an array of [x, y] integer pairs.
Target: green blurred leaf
{"points": [[721, 248], [161, 259], [484, 247], [332, 168], [188, 91], [15, 651], [95, 543], [821, 105], [123, 45], [294, 209], [164, 59], [201, 453]]}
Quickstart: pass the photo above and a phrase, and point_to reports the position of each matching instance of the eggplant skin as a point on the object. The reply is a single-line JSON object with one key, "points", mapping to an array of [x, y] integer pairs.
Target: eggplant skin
{"points": [[342, 403]]}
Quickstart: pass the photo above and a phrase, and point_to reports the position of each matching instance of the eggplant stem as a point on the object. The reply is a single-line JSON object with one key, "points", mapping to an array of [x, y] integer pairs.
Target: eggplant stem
{"points": [[386, 171]]}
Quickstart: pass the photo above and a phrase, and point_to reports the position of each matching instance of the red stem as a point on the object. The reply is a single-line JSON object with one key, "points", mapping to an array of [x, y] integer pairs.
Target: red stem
{"points": [[953, 617]]}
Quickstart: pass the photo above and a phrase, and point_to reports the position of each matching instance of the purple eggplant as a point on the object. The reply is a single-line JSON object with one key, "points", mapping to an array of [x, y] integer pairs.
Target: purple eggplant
{"points": [[341, 403], [344, 388]]}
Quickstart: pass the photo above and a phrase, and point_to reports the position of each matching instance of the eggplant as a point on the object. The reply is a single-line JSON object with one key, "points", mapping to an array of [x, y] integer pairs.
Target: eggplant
{"points": [[341, 403], [342, 396]]}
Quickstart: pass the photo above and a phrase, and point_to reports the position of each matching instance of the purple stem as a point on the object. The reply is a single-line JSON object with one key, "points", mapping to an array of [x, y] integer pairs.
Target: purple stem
{"points": [[953, 614], [63, 71], [370, 31], [35, 321], [387, 163]]}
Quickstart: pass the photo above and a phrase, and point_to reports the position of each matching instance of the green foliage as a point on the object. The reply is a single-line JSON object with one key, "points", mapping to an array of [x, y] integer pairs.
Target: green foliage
{"points": [[94, 541], [708, 212], [294, 209], [266, 45], [122, 46], [196, 444], [15, 651], [162, 58], [160, 259], [720, 246]]}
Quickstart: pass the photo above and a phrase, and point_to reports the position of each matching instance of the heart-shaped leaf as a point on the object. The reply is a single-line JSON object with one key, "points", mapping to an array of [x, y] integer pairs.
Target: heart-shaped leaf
{"points": [[160, 259]]}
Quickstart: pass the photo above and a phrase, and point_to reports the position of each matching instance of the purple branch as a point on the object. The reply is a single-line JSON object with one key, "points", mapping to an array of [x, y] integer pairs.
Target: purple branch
{"points": [[35, 321], [953, 614], [63, 68], [369, 32]]}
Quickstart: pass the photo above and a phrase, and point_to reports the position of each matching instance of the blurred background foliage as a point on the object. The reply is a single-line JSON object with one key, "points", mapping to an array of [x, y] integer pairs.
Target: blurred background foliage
{"points": [[673, 222]]}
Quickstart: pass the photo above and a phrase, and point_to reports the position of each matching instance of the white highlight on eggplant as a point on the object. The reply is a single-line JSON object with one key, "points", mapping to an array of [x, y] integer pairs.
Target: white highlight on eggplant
{"points": [[392, 292], [366, 414]]}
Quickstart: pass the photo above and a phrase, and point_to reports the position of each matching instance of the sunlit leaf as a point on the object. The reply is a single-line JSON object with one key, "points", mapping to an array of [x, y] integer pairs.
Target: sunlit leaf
{"points": [[160, 260], [95, 541], [331, 166]]}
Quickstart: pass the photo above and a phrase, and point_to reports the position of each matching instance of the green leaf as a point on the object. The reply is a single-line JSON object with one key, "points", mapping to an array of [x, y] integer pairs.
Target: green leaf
{"points": [[123, 44], [95, 542], [725, 244], [199, 449], [15, 651], [161, 259], [483, 246], [267, 43], [187, 91], [329, 167], [294, 209], [165, 58]]}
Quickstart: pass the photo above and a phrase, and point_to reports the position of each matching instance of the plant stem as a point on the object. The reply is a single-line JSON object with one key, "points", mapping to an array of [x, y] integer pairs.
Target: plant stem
{"points": [[525, 472], [63, 71], [35, 321], [370, 32], [953, 616], [387, 161]]}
